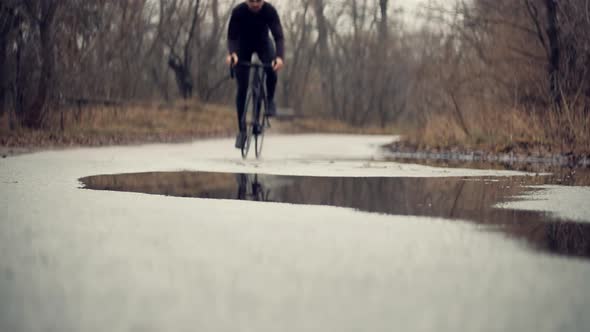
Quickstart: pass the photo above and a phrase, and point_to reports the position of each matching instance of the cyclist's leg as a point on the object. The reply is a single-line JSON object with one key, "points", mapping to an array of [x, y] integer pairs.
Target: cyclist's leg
{"points": [[267, 54], [242, 78], [242, 180]]}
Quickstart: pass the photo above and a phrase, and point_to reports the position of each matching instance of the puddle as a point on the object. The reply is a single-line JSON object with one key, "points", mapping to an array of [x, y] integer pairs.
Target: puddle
{"points": [[470, 199], [512, 159], [578, 176]]}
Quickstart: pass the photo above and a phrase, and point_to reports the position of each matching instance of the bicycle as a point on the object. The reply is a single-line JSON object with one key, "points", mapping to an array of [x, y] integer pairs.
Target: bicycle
{"points": [[255, 108], [251, 189]]}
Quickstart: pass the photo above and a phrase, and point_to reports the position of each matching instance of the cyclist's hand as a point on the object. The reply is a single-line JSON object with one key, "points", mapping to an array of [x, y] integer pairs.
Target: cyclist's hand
{"points": [[278, 64], [232, 59]]}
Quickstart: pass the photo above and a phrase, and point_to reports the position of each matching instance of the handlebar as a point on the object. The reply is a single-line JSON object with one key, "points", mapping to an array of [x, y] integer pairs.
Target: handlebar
{"points": [[255, 64], [249, 64]]}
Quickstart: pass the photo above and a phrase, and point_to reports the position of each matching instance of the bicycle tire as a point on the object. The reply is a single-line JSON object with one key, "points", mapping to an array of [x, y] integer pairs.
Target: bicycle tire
{"points": [[259, 136], [248, 113]]}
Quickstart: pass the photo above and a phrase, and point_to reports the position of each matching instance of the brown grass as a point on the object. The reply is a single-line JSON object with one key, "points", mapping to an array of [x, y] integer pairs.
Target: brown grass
{"points": [[149, 122], [503, 131], [326, 125], [182, 118], [123, 125]]}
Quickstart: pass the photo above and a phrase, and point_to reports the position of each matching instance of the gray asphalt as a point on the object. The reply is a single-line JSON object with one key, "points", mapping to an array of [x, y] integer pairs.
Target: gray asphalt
{"points": [[80, 260]]}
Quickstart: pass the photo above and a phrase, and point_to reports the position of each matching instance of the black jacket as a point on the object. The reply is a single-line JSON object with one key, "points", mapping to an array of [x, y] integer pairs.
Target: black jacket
{"points": [[249, 29]]}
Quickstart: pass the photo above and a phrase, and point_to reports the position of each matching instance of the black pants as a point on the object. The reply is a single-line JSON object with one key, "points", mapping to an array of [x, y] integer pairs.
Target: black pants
{"points": [[266, 54]]}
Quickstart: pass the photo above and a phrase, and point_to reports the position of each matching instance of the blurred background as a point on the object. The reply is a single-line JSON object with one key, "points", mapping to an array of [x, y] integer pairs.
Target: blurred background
{"points": [[500, 74]]}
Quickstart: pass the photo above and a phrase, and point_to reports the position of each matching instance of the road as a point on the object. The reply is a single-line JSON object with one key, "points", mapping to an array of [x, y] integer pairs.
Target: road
{"points": [[73, 259]]}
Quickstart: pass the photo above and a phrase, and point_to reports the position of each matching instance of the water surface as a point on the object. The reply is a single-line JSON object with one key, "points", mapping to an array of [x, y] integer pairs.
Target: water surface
{"points": [[471, 199]]}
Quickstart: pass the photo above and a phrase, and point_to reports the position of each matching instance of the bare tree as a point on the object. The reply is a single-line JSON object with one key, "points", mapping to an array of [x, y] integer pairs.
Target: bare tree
{"points": [[10, 19], [295, 80], [42, 13], [326, 67], [180, 40], [211, 72]]}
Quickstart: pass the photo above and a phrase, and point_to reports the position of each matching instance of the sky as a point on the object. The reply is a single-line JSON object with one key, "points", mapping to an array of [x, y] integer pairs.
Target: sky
{"points": [[409, 8]]}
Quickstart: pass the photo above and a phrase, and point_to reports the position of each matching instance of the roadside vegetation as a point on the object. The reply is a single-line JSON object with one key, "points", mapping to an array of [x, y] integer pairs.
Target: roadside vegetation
{"points": [[123, 124], [500, 76], [506, 77], [149, 123], [516, 131]]}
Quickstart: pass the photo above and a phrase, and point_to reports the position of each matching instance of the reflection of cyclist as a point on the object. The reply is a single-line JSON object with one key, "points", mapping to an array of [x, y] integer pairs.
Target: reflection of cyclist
{"points": [[249, 188], [242, 180], [248, 30]]}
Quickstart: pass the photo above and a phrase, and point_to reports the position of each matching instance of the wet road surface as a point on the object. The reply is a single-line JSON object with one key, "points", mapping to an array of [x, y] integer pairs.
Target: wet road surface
{"points": [[470, 199], [423, 259]]}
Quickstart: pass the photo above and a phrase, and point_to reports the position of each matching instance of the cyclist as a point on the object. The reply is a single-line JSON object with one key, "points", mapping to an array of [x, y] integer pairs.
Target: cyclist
{"points": [[248, 33]]}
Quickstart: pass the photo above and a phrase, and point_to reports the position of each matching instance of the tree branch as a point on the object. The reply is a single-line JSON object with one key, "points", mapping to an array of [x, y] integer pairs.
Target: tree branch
{"points": [[191, 34], [534, 14]]}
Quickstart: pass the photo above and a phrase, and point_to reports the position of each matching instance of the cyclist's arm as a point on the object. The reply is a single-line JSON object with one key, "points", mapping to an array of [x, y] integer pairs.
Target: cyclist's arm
{"points": [[277, 32], [233, 33]]}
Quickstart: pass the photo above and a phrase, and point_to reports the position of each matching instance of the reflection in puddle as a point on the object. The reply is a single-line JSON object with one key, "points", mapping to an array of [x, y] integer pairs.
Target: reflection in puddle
{"points": [[452, 198]]}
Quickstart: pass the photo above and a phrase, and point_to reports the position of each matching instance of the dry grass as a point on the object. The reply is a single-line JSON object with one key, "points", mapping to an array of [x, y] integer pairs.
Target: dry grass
{"points": [[492, 131], [123, 125], [325, 125], [182, 119], [150, 122], [502, 131]]}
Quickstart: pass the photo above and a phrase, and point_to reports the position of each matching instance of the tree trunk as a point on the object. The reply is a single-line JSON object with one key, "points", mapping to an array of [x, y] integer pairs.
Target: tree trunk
{"points": [[183, 76], [35, 113], [18, 85], [9, 20], [381, 58], [182, 67], [326, 68], [383, 26], [295, 66], [3, 78], [554, 57]]}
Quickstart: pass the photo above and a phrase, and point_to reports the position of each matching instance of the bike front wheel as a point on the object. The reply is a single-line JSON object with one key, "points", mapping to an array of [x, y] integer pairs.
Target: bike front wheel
{"points": [[259, 127], [248, 115]]}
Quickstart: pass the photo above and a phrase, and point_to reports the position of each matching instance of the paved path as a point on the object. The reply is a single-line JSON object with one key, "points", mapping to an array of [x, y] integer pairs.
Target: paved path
{"points": [[81, 260]]}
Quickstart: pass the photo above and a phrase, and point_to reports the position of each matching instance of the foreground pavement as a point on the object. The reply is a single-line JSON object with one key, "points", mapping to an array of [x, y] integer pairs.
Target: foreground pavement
{"points": [[81, 260]]}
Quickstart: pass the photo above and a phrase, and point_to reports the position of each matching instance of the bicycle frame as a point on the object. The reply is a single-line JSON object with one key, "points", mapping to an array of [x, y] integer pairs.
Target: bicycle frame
{"points": [[257, 80], [257, 95]]}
